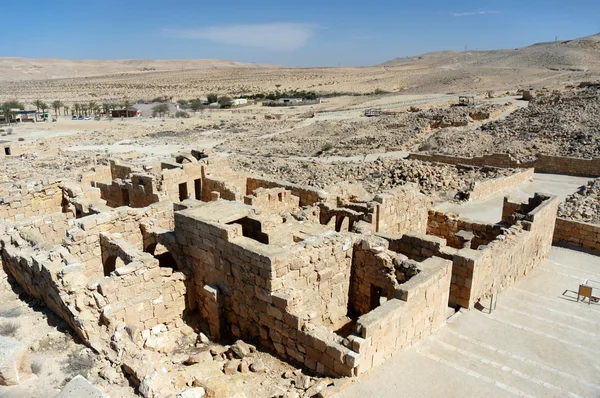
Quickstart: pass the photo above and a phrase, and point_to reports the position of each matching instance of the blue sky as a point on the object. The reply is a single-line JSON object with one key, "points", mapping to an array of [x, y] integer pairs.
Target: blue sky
{"points": [[291, 33]]}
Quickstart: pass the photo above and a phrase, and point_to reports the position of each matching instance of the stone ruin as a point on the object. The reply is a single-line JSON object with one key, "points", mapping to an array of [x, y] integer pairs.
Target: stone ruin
{"points": [[334, 282]]}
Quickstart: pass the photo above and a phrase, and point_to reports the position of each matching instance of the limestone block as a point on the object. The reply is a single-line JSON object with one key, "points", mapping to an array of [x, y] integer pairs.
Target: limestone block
{"points": [[80, 387], [14, 361]]}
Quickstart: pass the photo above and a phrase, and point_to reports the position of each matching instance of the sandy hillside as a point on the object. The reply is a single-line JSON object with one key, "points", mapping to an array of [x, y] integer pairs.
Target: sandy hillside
{"points": [[50, 68], [574, 55], [550, 65]]}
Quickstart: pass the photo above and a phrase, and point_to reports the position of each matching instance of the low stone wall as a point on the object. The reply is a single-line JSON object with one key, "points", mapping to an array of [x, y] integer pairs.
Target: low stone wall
{"points": [[447, 225], [83, 240], [420, 307], [543, 163], [494, 186], [27, 203], [401, 210], [140, 293], [308, 195], [577, 234]]}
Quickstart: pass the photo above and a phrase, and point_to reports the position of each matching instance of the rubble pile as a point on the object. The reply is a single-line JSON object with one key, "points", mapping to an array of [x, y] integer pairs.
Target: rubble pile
{"points": [[583, 205], [348, 137], [560, 124], [378, 176]]}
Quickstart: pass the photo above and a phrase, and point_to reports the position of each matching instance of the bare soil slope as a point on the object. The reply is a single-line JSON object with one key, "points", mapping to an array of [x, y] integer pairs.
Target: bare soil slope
{"points": [[570, 55], [50, 68]]}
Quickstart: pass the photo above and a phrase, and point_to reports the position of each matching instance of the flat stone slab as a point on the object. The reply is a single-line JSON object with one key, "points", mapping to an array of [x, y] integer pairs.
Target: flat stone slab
{"points": [[14, 361], [80, 387]]}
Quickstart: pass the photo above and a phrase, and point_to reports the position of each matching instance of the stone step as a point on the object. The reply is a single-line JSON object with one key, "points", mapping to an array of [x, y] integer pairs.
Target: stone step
{"points": [[563, 377]]}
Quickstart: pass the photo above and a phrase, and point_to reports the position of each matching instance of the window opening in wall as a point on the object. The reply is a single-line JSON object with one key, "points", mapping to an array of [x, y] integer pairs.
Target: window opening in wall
{"points": [[198, 188], [280, 196], [375, 297], [7, 150], [164, 257], [183, 192], [252, 229]]}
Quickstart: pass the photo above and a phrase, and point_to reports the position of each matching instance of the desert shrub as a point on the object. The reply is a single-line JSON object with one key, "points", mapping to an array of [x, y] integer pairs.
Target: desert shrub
{"points": [[9, 131], [380, 91], [78, 365], [182, 114], [212, 98], [9, 329], [327, 147], [10, 313], [21, 139]]}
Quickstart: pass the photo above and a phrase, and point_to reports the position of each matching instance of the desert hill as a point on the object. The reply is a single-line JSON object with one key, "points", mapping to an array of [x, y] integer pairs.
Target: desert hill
{"points": [[51, 68], [568, 55]]}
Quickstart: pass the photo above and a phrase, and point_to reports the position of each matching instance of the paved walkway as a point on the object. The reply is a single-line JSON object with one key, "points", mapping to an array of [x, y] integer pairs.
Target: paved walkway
{"points": [[490, 210], [539, 342]]}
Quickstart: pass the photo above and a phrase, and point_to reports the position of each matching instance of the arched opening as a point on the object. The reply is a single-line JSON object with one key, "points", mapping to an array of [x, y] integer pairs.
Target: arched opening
{"points": [[111, 264]]}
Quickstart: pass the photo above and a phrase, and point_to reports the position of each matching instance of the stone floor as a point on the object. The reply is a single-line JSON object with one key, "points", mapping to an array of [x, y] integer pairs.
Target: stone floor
{"points": [[539, 342], [490, 210]]}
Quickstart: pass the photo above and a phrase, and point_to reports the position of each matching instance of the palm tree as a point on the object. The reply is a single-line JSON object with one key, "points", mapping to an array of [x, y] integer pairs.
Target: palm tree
{"points": [[57, 105], [65, 110], [44, 107], [38, 104], [77, 108], [126, 105], [7, 111], [106, 108], [92, 106]]}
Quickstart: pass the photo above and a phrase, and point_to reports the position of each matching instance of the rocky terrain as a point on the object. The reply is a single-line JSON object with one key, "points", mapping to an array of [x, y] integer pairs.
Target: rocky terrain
{"points": [[402, 130], [583, 205], [560, 123], [434, 179]]}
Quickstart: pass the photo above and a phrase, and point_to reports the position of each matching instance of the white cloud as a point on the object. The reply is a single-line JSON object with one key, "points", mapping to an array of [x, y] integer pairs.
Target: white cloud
{"points": [[466, 14], [281, 36]]}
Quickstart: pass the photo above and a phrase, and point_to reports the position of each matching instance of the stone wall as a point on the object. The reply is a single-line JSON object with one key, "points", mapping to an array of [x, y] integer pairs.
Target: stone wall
{"points": [[494, 186], [448, 225], [140, 293], [308, 195], [543, 163], [512, 255], [83, 240], [400, 210], [420, 307], [30, 202], [98, 173], [51, 228], [577, 234]]}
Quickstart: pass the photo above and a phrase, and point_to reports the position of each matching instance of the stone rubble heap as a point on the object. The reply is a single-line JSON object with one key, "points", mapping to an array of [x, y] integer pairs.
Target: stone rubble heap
{"points": [[583, 205], [377, 176]]}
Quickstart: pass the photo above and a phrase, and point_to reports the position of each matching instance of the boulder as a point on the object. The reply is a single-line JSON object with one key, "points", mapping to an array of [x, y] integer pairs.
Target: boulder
{"points": [[80, 387], [14, 361]]}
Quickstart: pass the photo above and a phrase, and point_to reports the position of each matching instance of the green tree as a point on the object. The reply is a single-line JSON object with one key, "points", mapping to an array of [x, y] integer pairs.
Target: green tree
{"points": [[160, 110], [212, 98], [225, 102], [38, 104], [76, 108], [106, 108], [196, 105], [126, 105], [7, 111], [92, 106], [65, 110], [56, 105]]}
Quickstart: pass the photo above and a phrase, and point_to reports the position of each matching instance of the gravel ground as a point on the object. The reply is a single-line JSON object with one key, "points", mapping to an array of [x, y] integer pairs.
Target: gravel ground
{"points": [[583, 205]]}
